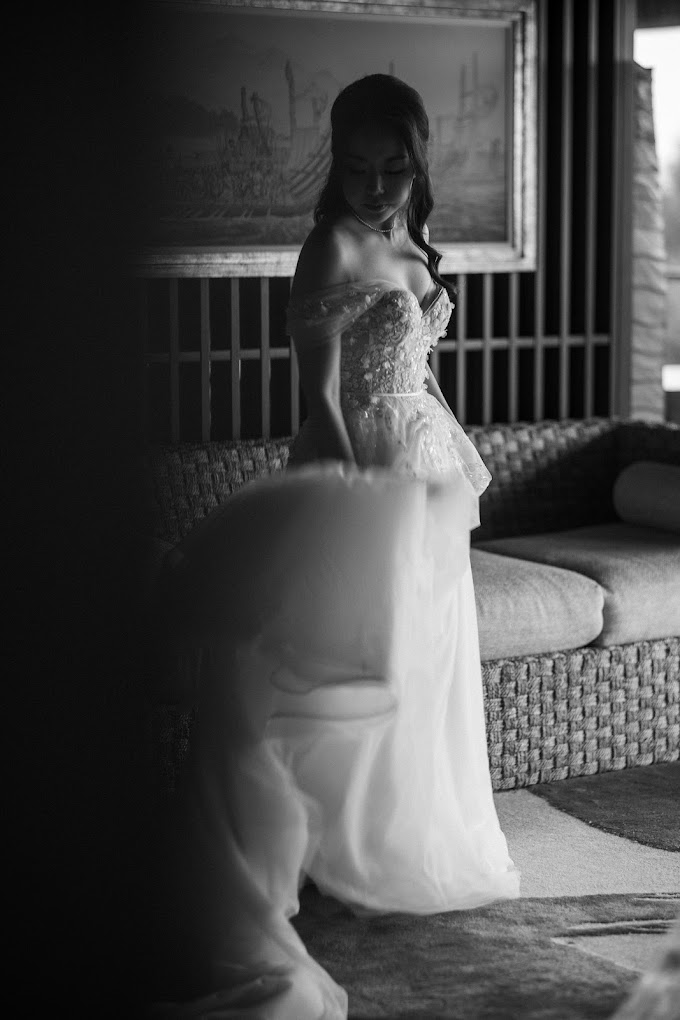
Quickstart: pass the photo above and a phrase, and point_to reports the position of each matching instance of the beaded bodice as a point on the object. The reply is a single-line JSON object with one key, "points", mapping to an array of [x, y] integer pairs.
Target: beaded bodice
{"points": [[392, 419], [385, 350]]}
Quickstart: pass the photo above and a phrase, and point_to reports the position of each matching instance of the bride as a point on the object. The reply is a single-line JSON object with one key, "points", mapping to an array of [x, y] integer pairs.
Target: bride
{"points": [[340, 736]]}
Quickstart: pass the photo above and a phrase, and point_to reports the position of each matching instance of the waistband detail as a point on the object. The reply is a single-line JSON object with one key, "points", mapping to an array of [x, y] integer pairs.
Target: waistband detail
{"points": [[373, 393]]}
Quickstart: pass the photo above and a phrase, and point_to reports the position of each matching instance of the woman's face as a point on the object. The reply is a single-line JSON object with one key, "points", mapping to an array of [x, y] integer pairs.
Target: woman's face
{"points": [[377, 174]]}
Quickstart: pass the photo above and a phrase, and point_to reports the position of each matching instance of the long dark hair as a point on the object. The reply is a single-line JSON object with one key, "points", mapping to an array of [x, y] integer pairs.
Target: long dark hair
{"points": [[384, 99]]}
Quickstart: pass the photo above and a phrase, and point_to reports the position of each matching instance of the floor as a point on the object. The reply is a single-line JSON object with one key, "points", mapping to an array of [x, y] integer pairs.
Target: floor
{"points": [[561, 856], [558, 855]]}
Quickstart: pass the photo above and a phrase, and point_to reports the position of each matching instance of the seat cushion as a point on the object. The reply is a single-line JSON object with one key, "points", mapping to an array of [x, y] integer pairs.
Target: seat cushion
{"points": [[637, 568], [527, 608]]}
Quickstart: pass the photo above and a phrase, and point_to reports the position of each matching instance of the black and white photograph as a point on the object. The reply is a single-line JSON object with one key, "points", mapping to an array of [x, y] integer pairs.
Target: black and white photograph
{"points": [[344, 612]]}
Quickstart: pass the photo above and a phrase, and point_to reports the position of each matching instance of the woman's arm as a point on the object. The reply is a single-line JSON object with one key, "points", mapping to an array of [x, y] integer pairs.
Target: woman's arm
{"points": [[320, 379], [321, 265], [433, 387]]}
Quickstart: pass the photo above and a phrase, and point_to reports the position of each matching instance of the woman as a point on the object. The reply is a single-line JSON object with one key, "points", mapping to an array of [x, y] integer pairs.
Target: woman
{"points": [[371, 232], [341, 730]]}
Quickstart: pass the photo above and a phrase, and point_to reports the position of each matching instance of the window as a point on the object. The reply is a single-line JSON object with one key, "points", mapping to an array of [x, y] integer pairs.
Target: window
{"points": [[658, 48]]}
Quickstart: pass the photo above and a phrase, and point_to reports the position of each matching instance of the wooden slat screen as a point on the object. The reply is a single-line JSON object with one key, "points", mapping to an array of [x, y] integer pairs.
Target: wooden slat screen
{"points": [[520, 346]]}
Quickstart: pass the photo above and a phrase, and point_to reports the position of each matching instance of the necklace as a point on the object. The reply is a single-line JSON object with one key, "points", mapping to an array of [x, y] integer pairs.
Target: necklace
{"points": [[378, 230]]}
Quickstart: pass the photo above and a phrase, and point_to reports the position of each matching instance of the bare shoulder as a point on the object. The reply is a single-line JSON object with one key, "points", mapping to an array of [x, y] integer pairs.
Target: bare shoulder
{"points": [[325, 260]]}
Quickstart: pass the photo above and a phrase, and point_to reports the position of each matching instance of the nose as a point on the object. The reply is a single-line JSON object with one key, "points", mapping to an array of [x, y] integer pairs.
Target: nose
{"points": [[375, 184]]}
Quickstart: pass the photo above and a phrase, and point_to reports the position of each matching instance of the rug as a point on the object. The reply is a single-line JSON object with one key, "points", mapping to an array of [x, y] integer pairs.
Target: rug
{"points": [[642, 804], [526, 959]]}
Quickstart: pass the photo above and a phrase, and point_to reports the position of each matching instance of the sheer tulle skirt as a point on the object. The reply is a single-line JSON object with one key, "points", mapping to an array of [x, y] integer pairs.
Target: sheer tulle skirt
{"points": [[409, 433], [340, 731]]}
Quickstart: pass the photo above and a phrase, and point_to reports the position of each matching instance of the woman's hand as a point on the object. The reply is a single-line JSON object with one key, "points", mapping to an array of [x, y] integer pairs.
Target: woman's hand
{"points": [[331, 437]]}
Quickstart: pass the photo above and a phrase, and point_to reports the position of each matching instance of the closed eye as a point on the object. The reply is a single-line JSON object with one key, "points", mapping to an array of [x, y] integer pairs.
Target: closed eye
{"points": [[388, 173]]}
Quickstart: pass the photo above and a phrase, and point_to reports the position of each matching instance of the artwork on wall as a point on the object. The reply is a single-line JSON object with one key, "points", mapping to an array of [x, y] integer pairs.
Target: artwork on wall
{"points": [[235, 119]]}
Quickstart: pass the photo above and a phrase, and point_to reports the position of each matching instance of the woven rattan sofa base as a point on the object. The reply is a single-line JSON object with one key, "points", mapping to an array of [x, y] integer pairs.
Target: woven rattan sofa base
{"points": [[588, 710], [548, 717]]}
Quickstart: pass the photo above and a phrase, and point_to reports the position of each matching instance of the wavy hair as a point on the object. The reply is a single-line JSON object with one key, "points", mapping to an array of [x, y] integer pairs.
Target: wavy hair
{"points": [[383, 99]]}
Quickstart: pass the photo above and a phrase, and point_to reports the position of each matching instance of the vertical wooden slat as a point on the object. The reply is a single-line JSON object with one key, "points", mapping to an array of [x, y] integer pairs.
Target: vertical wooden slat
{"points": [[294, 384], [513, 329], [591, 157], [461, 336], [295, 393], [174, 360], [265, 358], [539, 275], [487, 330], [235, 359], [143, 310], [205, 360], [622, 228], [144, 344], [566, 196]]}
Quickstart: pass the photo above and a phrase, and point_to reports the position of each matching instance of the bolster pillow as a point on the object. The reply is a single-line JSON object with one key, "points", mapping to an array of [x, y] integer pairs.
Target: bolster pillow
{"points": [[648, 494]]}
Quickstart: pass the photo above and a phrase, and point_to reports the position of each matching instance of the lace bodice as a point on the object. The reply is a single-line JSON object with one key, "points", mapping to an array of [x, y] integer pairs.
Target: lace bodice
{"points": [[386, 336], [386, 349], [392, 420]]}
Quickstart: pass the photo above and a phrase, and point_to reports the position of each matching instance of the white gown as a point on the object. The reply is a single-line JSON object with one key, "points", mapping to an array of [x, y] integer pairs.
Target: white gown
{"points": [[340, 733]]}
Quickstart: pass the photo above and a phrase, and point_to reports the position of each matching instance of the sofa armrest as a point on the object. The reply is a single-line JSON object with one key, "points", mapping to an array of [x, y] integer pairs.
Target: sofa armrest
{"points": [[546, 475], [187, 481], [641, 440]]}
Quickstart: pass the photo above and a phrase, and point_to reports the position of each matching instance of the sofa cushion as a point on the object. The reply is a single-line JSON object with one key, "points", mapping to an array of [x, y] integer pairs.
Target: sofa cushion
{"points": [[638, 569], [526, 608], [648, 494]]}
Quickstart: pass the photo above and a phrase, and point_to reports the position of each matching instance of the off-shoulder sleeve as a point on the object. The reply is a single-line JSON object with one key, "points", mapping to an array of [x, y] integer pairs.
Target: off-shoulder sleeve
{"points": [[320, 316]]}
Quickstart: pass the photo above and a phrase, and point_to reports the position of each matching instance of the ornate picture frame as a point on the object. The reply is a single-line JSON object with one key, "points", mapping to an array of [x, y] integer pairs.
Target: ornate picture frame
{"points": [[234, 122]]}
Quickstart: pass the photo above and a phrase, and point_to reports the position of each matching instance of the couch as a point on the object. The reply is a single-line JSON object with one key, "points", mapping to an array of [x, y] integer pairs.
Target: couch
{"points": [[578, 610]]}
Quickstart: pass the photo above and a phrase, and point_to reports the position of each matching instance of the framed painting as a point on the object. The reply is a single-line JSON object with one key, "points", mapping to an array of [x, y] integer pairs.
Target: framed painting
{"points": [[235, 123]]}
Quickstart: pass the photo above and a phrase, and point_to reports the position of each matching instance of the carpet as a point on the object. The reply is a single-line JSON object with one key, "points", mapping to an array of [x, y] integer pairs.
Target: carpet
{"points": [[526, 959], [641, 804]]}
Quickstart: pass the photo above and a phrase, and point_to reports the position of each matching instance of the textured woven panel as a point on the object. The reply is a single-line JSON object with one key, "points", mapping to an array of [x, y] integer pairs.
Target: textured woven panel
{"points": [[645, 441], [547, 717], [170, 729], [580, 712], [546, 476], [187, 481]]}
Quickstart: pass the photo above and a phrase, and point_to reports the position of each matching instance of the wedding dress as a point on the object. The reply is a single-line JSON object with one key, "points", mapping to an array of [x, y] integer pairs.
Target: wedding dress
{"points": [[340, 733]]}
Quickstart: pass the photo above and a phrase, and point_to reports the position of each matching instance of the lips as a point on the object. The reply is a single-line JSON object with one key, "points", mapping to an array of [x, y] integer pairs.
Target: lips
{"points": [[375, 208]]}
